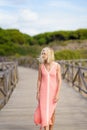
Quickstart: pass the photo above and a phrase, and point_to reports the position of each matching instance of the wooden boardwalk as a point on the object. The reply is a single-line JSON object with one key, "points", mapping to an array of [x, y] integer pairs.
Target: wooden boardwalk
{"points": [[71, 111]]}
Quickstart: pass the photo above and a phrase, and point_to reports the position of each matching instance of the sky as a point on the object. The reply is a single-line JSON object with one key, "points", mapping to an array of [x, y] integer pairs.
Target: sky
{"points": [[38, 16]]}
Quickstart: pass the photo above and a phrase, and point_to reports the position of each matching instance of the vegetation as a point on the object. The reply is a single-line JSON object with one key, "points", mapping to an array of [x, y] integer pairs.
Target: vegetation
{"points": [[15, 43], [67, 55], [46, 38]]}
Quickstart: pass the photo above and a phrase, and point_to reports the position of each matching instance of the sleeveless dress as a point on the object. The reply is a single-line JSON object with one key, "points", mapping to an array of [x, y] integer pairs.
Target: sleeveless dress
{"points": [[48, 90]]}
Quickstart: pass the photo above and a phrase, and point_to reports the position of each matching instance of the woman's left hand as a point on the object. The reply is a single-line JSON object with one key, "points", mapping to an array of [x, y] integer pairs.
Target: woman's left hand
{"points": [[56, 98]]}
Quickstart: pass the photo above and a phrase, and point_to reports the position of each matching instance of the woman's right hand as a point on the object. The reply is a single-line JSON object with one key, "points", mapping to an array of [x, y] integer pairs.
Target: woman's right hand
{"points": [[56, 98]]}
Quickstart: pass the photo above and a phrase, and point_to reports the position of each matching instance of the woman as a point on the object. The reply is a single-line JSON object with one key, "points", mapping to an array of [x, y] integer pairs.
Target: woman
{"points": [[48, 88]]}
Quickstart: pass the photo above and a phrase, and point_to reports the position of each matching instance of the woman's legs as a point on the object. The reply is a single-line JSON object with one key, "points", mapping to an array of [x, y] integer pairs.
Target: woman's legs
{"points": [[53, 119], [46, 128], [50, 127]]}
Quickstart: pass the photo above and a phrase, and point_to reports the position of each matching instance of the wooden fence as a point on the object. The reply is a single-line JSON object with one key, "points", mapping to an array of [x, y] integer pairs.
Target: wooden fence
{"points": [[8, 80], [75, 74]]}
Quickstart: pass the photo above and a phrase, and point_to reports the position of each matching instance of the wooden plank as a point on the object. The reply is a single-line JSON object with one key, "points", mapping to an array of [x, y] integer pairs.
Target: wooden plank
{"points": [[71, 111]]}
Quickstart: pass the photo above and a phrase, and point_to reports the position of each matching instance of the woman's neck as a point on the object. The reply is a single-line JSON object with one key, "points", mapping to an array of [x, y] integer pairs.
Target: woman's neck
{"points": [[48, 63]]}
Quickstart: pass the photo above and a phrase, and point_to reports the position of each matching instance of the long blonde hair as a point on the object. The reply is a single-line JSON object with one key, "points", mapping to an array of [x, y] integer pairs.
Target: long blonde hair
{"points": [[50, 53]]}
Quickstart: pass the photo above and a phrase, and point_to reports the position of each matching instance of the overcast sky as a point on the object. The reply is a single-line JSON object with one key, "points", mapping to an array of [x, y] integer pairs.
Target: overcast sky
{"points": [[39, 16]]}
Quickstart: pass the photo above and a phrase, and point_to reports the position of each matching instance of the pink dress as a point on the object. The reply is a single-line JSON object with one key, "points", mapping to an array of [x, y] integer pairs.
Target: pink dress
{"points": [[48, 90]]}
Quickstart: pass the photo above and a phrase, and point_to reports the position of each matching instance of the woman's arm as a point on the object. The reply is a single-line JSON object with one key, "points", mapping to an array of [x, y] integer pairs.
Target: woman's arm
{"points": [[59, 80], [38, 82]]}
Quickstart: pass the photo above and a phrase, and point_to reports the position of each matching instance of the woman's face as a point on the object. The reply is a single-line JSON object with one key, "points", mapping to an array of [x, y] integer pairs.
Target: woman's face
{"points": [[44, 55]]}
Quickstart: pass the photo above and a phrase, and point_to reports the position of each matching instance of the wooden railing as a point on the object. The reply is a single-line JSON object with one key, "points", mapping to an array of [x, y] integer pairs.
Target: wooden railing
{"points": [[75, 74], [8, 80]]}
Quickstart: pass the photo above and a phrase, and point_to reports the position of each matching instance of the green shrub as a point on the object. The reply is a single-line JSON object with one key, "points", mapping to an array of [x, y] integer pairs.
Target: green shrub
{"points": [[2, 52], [67, 54]]}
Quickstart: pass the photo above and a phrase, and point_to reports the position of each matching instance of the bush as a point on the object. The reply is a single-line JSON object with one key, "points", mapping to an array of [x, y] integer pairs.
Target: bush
{"points": [[67, 55], [2, 52]]}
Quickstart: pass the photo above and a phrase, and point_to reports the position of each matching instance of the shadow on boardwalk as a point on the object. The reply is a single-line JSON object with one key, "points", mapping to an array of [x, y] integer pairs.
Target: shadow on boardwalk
{"points": [[71, 111]]}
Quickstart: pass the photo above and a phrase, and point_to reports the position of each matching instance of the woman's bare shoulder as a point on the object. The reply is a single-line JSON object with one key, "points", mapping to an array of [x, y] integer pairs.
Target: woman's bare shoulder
{"points": [[40, 66], [56, 63], [58, 66]]}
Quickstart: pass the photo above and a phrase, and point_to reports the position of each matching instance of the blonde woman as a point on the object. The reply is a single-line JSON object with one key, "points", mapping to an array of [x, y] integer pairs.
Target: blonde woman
{"points": [[48, 88]]}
